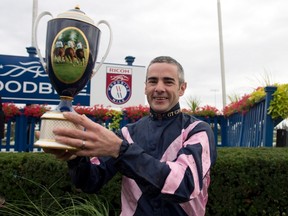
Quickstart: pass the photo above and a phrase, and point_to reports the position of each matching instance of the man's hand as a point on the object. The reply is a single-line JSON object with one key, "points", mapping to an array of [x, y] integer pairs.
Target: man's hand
{"points": [[61, 154], [94, 141]]}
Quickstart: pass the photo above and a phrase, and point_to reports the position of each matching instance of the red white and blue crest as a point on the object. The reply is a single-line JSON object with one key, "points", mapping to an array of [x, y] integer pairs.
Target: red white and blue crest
{"points": [[118, 84]]}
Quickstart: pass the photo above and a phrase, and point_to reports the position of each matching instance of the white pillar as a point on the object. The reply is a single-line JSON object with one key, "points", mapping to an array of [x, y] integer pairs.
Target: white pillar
{"points": [[34, 16], [221, 55]]}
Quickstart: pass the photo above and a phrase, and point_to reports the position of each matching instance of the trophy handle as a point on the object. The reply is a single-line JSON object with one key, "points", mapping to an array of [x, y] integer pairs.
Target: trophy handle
{"points": [[95, 70], [35, 29]]}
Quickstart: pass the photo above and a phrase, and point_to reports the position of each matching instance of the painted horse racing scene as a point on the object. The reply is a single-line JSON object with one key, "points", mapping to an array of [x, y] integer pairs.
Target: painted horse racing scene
{"points": [[69, 51]]}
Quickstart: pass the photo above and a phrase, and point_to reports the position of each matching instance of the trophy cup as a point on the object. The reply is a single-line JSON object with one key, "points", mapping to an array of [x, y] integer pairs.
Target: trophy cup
{"points": [[71, 50]]}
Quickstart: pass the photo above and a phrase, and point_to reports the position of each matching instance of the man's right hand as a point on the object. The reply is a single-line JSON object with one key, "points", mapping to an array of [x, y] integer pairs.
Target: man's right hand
{"points": [[61, 154]]}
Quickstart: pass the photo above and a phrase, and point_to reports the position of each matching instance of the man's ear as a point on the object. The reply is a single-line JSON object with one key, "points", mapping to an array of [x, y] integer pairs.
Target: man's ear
{"points": [[182, 89]]}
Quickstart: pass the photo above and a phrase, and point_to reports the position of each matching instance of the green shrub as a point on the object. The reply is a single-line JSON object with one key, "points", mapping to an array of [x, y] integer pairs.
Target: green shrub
{"points": [[249, 181], [244, 181], [38, 179], [278, 105]]}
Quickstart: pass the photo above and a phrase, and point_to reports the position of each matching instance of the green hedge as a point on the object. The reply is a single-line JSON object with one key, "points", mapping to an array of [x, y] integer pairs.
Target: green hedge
{"points": [[244, 181], [249, 181], [42, 179]]}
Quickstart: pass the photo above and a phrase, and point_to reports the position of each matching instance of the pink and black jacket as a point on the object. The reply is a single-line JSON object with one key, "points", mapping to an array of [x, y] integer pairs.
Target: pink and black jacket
{"points": [[165, 162]]}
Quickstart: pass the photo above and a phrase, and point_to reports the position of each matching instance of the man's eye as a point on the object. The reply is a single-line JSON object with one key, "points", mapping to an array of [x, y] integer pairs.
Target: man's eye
{"points": [[152, 81], [169, 82]]}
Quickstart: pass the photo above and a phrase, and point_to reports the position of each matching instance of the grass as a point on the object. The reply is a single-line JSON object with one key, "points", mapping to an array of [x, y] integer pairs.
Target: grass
{"points": [[68, 72], [48, 204]]}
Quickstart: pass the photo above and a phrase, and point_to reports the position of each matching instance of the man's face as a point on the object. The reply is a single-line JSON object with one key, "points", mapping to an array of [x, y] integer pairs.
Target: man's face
{"points": [[162, 87]]}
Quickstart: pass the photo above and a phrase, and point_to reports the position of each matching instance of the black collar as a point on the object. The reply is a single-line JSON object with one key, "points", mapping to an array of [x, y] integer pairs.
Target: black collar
{"points": [[171, 113]]}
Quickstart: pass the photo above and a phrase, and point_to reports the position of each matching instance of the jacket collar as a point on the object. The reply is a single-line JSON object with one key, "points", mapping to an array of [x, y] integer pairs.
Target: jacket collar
{"points": [[171, 113]]}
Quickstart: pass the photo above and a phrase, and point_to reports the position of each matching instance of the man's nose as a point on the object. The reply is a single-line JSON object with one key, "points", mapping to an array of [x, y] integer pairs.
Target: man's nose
{"points": [[160, 87]]}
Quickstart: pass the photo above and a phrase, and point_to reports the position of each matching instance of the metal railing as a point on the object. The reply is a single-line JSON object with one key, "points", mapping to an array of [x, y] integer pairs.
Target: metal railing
{"points": [[252, 129]]}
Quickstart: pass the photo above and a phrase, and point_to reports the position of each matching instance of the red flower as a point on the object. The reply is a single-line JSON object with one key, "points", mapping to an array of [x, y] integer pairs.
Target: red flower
{"points": [[242, 106], [97, 111], [10, 110], [35, 110], [134, 113], [206, 111]]}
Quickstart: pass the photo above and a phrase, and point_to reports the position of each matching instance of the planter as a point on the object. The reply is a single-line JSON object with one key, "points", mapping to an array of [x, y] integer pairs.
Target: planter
{"points": [[281, 138]]}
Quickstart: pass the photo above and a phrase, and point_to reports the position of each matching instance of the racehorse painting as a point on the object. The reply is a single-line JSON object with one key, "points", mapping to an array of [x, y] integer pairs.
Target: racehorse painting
{"points": [[59, 54], [80, 56], [70, 55], [70, 60]]}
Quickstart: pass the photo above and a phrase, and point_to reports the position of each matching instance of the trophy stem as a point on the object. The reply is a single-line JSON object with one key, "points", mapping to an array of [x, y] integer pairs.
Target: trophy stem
{"points": [[65, 104]]}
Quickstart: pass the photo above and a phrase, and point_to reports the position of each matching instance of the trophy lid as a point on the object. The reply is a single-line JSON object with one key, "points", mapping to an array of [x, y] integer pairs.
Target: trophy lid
{"points": [[76, 14]]}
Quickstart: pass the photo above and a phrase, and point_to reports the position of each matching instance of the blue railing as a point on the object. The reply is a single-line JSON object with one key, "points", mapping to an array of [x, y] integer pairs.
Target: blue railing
{"points": [[253, 129], [247, 130]]}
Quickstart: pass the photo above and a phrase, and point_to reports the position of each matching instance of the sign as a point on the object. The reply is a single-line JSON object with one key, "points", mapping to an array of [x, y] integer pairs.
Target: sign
{"points": [[118, 84], [23, 80]]}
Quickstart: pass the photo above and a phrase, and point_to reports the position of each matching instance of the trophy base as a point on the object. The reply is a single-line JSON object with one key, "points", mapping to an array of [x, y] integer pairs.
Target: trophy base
{"points": [[52, 145], [49, 121]]}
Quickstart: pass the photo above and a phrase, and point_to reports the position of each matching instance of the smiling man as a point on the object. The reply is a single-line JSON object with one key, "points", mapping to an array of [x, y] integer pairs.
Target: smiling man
{"points": [[165, 158], [164, 84]]}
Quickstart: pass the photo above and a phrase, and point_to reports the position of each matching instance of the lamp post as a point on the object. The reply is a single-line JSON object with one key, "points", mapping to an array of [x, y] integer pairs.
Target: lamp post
{"points": [[215, 91], [32, 50], [34, 16], [221, 54]]}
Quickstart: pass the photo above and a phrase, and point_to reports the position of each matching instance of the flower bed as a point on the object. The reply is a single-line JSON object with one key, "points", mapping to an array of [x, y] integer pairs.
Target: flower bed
{"points": [[35, 110], [10, 110], [277, 109], [278, 105]]}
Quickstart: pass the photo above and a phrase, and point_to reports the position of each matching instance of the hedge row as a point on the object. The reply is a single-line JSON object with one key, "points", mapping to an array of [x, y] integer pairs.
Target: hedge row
{"points": [[249, 181], [244, 181]]}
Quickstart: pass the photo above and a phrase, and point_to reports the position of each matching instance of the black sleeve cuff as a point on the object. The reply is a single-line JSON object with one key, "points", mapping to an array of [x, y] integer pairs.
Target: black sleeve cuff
{"points": [[123, 148]]}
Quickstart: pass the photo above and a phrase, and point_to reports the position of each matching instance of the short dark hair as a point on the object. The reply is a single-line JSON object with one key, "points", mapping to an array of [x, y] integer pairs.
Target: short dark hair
{"points": [[169, 60]]}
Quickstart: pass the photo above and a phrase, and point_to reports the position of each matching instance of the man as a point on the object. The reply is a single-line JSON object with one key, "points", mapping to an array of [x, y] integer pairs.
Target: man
{"points": [[164, 158]]}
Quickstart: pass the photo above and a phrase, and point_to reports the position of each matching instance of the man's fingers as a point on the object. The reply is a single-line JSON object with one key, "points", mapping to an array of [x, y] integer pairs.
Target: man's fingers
{"points": [[37, 134], [67, 133], [78, 119], [70, 139], [82, 120], [61, 154]]}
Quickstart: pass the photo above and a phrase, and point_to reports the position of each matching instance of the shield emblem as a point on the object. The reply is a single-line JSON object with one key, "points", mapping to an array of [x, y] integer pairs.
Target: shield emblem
{"points": [[118, 84]]}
